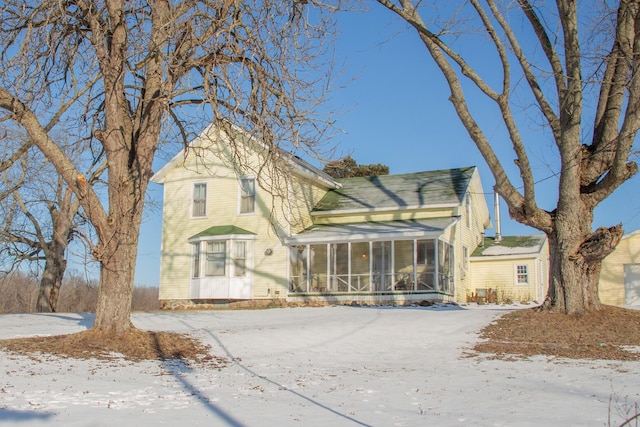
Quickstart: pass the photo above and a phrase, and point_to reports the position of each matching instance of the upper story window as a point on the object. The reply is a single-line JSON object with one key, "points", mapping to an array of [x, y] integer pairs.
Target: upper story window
{"points": [[199, 200], [522, 274], [247, 195]]}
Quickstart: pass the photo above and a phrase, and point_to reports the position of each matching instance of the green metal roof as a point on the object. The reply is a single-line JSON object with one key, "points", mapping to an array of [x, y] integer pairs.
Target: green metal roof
{"points": [[510, 245], [419, 189], [221, 230]]}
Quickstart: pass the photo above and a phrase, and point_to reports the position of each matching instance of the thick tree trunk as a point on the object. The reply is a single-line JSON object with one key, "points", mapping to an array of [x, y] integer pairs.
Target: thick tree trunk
{"points": [[117, 272], [50, 284], [574, 272], [118, 248], [571, 282]]}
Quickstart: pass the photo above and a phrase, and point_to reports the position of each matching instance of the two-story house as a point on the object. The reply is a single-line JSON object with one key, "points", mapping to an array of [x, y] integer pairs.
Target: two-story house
{"points": [[242, 222]]}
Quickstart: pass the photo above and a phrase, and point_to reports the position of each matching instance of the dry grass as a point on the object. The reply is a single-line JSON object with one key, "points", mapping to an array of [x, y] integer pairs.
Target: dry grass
{"points": [[19, 294], [135, 345], [612, 333]]}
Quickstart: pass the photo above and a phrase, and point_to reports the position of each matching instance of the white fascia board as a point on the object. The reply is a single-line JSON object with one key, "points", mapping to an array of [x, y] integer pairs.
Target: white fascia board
{"points": [[223, 237], [160, 175], [382, 210], [631, 234], [305, 173], [529, 255], [360, 237], [328, 237]]}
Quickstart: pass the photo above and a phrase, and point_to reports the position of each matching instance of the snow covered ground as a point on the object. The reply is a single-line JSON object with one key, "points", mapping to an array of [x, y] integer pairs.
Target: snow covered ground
{"points": [[337, 366]]}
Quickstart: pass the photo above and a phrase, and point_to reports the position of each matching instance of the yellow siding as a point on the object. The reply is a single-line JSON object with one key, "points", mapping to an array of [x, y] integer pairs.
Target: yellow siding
{"points": [[283, 208], [303, 196], [500, 276], [468, 233], [612, 274], [270, 222]]}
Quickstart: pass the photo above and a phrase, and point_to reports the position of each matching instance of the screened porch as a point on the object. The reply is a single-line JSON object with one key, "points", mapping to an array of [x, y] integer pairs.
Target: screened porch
{"points": [[403, 265]]}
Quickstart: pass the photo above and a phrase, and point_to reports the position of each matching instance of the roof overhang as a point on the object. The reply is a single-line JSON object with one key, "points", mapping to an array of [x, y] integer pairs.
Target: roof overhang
{"points": [[530, 255], [368, 231], [382, 210], [223, 232]]}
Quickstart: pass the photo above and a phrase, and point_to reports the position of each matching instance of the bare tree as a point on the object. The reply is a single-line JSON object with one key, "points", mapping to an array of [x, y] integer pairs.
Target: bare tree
{"points": [[110, 72], [550, 49], [39, 216], [30, 235]]}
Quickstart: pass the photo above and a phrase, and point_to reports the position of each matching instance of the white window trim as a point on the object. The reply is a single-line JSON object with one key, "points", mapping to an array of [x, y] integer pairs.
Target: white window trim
{"points": [[229, 240], [255, 195], [515, 277], [206, 199], [196, 249]]}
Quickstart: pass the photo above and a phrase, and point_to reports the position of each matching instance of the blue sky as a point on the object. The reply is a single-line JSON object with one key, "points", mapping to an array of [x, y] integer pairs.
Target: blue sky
{"points": [[396, 111]]}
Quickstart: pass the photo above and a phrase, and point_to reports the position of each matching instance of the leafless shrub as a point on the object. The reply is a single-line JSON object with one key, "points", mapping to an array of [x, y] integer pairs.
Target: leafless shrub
{"points": [[19, 293], [77, 295], [145, 299], [623, 408]]}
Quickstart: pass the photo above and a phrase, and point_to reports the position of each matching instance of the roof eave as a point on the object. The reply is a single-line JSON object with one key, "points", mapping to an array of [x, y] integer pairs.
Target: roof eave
{"points": [[526, 255], [383, 210]]}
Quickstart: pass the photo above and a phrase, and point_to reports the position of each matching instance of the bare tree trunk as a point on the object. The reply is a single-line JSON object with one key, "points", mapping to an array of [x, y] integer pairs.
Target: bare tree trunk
{"points": [[117, 274], [55, 261], [575, 265], [50, 284]]}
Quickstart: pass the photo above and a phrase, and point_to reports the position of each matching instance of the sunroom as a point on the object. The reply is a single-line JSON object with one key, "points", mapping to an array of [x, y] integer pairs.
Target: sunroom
{"points": [[398, 257]]}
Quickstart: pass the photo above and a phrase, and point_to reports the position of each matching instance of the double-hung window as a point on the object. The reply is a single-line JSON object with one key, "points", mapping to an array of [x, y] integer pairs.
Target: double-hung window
{"points": [[199, 200], [196, 260], [247, 195], [522, 274], [240, 258], [216, 259], [212, 257]]}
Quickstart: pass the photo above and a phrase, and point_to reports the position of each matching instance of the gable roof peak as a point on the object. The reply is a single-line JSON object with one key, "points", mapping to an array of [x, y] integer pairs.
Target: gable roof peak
{"points": [[214, 133]]}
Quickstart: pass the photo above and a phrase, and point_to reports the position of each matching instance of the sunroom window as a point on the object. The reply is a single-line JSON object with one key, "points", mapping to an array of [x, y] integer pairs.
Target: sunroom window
{"points": [[375, 266]]}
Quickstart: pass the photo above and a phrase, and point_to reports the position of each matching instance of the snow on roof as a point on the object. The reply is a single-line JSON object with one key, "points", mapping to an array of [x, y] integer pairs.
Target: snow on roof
{"points": [[511, 245]]}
